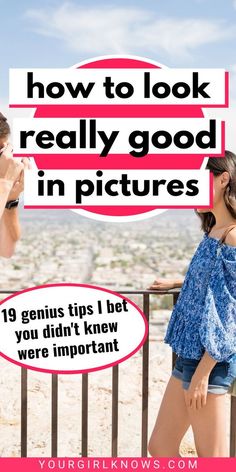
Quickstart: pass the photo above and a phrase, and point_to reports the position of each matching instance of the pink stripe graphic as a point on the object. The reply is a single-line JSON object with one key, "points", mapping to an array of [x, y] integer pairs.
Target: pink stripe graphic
{"points": [[119, 464]]}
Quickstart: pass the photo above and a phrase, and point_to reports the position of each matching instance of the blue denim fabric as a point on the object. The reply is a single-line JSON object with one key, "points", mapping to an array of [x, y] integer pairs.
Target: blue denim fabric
{"points": [[221, 377]]}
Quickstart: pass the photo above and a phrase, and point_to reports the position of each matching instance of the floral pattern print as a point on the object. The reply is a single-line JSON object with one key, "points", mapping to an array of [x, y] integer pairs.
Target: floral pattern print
{"points": [[204, 316]]}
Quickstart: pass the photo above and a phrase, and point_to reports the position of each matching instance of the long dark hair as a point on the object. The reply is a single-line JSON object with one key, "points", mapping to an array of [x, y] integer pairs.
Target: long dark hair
{"points": [[218, 165], [4, 126]]}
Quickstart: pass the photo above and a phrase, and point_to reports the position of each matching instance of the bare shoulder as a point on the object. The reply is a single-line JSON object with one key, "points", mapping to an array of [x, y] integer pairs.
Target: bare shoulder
{"points": [[231, 237]]}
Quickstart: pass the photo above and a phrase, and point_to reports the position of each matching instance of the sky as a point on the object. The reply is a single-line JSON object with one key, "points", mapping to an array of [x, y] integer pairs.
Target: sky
{"points": [[177, 33]]}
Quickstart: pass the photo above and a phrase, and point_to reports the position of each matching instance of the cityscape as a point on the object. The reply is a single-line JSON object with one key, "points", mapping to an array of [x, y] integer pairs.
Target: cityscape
{"points": [[58, 246]]}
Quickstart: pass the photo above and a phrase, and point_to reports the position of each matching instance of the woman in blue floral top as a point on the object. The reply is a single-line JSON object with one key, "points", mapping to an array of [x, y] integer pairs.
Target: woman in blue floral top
{"points": [[202, 330]]}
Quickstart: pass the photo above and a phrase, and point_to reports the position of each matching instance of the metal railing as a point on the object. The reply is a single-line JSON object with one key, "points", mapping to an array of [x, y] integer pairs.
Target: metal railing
{"points": [[115, 397]]}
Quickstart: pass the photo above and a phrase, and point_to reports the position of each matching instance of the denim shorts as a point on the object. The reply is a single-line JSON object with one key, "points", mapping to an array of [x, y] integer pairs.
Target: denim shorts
{"points": [[221, 377]]}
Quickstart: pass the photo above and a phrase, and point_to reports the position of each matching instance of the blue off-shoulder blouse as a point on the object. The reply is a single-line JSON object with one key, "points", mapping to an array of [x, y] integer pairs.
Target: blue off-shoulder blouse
{"points": [[204, 316]]}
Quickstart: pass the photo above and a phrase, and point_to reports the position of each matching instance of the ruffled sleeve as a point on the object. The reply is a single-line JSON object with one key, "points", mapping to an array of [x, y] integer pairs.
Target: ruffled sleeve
{"points": [[217, 328]]}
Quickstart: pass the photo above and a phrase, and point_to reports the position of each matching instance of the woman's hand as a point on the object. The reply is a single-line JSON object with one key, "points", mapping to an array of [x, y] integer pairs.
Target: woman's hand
{"points": [[18, 185], [196, 395], [162, 284], [10, 167]]}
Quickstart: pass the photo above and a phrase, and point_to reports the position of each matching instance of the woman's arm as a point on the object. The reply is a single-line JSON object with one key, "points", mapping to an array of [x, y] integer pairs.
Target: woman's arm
{"points": [[196, 394], [166, 284], [5, 188], [10, 190], [9, 232], [10, 170]]}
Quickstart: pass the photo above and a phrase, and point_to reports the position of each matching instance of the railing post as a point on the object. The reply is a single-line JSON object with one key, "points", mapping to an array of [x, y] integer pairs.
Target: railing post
{"points": [[24, 418], [84, 423], [145, 378], [54, 418], [114, 424], [174, 355]]}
